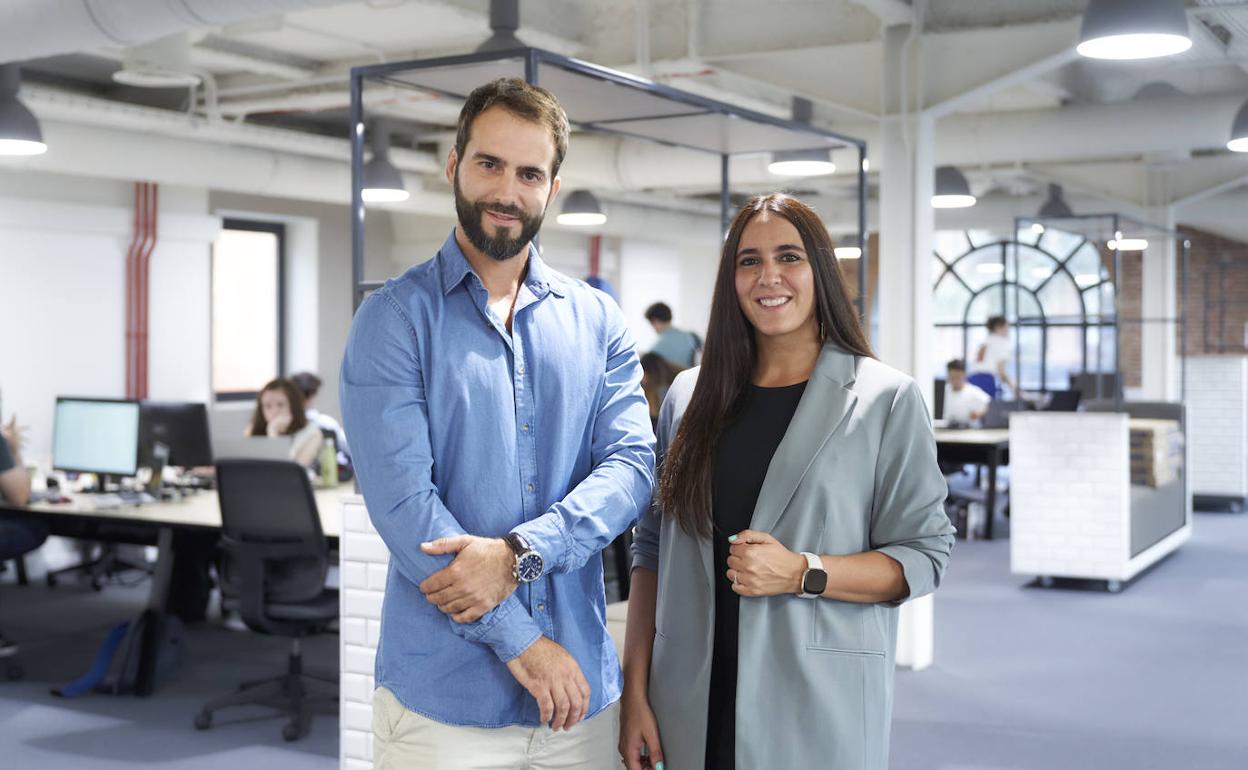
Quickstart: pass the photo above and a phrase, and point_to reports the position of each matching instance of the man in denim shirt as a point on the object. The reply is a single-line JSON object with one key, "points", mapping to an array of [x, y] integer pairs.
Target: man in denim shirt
{"points": [[501, 440]]}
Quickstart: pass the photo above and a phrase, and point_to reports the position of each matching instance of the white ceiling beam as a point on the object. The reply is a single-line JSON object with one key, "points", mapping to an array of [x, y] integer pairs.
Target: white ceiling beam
{"points": [[965, 66], [889, 12]]}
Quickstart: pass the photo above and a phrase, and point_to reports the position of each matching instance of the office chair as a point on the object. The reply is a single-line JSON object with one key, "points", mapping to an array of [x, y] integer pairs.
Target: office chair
{"points": [[275, 560]]}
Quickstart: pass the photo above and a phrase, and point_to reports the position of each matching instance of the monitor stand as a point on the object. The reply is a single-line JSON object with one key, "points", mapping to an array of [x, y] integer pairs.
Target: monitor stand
{"points": [[102, 481]]}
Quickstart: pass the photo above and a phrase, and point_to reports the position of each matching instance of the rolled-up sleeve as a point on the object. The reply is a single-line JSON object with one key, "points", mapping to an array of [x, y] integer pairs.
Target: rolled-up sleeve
{"points": [[385, 415], [618, 488], [908, 521]]}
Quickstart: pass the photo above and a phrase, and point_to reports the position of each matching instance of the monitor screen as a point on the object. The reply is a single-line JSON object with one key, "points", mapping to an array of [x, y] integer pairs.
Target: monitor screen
{"points": [[183, 427], [96, 436]]}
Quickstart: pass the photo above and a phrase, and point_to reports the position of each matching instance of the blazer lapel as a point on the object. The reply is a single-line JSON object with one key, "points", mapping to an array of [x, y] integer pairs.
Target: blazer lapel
{"points": [[826, 404]]}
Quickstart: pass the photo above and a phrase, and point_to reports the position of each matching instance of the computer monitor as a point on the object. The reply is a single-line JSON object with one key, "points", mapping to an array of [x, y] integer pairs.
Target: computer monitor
{"points": [[96, 435], [1064, 401], [183, 427]]}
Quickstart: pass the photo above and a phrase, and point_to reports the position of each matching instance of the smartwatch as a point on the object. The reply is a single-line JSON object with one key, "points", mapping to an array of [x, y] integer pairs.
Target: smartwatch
{"points": [[814, 579], [529, 565]]}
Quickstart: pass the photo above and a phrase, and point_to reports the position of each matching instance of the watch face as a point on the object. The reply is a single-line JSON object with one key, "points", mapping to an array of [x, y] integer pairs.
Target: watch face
{"points": [[815, 582], [529, 568]]}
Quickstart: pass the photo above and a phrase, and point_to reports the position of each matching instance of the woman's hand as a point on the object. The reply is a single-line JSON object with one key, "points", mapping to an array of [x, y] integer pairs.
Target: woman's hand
{"points": [[639, 729], [279, 424], [759, 565]]}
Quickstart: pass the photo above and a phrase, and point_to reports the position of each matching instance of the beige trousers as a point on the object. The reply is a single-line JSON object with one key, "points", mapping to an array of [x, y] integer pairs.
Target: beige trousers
{"points": [[405, 740]]}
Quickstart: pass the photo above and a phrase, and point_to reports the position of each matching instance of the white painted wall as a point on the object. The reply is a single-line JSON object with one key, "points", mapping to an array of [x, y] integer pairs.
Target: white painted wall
{"points": [[63, 246]]}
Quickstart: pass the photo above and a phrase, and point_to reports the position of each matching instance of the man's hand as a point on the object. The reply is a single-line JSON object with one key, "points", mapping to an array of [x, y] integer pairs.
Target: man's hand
{"points": [[481, 577], [554, 679]]}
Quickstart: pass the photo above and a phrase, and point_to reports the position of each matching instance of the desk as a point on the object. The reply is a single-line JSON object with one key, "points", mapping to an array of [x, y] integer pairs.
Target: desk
{"points": [[198, 511], [990, 447]]}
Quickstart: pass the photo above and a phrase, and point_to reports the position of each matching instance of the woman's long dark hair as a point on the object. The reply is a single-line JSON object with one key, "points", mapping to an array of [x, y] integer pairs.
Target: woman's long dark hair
{"points": [[729, 357], [294, 396]]}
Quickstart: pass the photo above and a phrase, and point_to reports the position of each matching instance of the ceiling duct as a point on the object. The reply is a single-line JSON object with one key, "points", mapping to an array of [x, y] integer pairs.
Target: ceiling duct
{"points": [[32, 29], [162, 63]]}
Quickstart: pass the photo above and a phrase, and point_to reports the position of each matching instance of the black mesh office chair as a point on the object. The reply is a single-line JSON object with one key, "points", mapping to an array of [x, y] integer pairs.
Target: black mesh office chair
{"points": [[275, 560]]}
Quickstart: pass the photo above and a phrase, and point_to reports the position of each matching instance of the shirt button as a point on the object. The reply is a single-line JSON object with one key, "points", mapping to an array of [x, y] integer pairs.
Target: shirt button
{"points": [[541, 607], [525, 428], [520, 368], [530, 487]]}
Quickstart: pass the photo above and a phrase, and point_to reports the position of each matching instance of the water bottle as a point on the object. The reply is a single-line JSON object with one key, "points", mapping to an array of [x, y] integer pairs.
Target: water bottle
{"points": [[329, 464]]}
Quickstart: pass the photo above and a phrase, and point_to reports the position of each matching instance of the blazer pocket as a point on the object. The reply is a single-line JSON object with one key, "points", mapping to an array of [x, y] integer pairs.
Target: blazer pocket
{"points": [[852, 701]]}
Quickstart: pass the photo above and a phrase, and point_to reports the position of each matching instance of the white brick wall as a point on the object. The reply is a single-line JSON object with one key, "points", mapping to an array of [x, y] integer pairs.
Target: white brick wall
{"points": [[1070, 495], [363, 562], [1217, 427]]}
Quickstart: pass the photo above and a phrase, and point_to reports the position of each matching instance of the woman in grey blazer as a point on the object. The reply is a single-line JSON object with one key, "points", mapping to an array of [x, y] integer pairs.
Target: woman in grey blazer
{"points": [[799, 504]]}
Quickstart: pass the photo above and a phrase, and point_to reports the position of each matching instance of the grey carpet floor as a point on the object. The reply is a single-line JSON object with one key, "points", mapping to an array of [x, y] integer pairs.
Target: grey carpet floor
{"points": [[1025, 678], [1034, 678], [60, 630]]}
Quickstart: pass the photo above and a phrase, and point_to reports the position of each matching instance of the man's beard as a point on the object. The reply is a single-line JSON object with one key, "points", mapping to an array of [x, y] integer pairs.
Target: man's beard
{"points": [[498, 246]]}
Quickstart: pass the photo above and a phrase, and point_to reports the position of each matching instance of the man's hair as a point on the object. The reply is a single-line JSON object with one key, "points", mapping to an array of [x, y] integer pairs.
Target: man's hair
{"points": [[956, 365], [996, 322], [528, 102], [307, 382], [659, 311]]}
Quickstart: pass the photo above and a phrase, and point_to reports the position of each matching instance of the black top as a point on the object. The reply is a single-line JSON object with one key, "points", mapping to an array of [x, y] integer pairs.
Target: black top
{"points": [[745, 450]]}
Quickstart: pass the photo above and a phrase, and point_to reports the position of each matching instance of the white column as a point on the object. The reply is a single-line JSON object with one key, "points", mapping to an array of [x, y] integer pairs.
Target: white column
{"points": [[904, 333], [1159, 359], [906, 221]]}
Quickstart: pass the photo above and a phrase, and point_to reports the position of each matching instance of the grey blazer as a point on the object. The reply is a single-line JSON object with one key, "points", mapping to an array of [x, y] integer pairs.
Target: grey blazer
{"points": [[856, 471]]}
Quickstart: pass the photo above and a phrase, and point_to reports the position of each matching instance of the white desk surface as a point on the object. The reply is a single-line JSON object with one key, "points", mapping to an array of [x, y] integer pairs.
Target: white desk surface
{"points": [[199, 509], [972, 436]]}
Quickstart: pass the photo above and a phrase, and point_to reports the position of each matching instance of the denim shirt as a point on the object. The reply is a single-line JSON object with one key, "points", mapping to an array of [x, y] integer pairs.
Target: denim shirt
{"points": [[458, 426]]}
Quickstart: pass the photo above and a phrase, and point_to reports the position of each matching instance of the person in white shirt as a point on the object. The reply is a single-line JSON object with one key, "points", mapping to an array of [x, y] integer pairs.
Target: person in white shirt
{"points": [[988, 369], [310, 385], [964, 402]]}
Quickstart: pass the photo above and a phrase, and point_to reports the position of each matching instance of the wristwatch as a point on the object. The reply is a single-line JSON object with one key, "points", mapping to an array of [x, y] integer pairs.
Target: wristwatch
{"points": [[529, 565], [814, 579]]}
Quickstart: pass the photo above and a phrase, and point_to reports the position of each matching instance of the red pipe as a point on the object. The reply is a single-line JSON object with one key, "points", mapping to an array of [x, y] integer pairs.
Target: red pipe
{"points": [[131, 296], [145, 263], [595, 253]]}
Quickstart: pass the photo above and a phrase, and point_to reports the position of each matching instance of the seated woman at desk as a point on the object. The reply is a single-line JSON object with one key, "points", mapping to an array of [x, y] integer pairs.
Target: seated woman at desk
{"points": [[280, 412], [17, 535]]}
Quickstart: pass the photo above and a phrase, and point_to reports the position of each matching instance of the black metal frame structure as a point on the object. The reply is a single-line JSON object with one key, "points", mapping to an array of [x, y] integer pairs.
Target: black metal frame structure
{"points": [[537, 62]]}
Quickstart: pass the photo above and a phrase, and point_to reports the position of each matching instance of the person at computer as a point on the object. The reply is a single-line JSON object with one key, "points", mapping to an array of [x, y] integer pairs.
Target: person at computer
{"points": [[501, 441], [18, 535], [310, 385], [988, 368], [280, 412], [678, 347], [965, 402]]}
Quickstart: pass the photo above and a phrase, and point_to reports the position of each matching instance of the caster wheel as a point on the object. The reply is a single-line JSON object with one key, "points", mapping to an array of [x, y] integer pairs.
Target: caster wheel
{"points": [[1046, 581], [14, 672], [51, 579], [1113, 586], [97, 585], [203, 720], [1236, 507], [290, 732]]}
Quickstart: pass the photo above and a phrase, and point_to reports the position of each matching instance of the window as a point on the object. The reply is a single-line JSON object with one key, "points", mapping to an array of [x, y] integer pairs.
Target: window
{"points": [[247, 308]]}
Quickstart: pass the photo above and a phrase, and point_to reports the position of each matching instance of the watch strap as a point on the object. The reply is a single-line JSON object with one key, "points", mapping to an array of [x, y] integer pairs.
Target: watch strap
{"points": [[813, 562]]}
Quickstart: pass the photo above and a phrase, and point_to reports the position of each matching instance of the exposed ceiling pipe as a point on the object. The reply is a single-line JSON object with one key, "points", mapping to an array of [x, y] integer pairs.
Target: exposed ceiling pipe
{"points": [[63, 106], [110, 153], [31, 29]]}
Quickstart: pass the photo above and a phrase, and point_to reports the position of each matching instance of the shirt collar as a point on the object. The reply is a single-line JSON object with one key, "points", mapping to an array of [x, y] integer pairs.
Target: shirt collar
{"points": [[454, 267]]}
